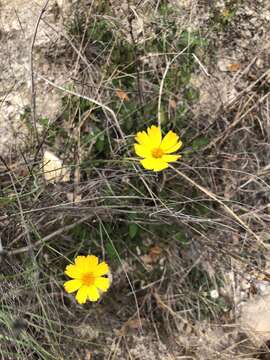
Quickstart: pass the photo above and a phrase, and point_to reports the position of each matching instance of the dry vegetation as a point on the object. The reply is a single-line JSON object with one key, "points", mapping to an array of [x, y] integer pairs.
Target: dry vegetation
{"points": [[188, 248]]}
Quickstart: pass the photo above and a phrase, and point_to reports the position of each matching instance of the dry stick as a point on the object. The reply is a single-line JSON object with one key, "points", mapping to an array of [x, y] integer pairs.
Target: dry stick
{"points": [[249, 88], [1, 248], [77, 51], [238, 76], [104, 107], [166, 307], [126, 274], [28, 238], [162, 83], [138, 76], [233, 255], [226, 207], [223, 137], [48, 237], [5, 164], [201, 65], [33, 91], [238, 119]]}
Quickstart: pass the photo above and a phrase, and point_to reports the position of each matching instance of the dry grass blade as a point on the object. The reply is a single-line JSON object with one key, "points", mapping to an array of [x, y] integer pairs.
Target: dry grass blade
{"points": [[103, 106], [226, 207]]}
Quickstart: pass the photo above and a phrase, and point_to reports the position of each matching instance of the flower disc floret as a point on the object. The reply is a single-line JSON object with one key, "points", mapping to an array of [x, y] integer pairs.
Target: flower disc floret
{"points": [[88, 278], [156, 153]]}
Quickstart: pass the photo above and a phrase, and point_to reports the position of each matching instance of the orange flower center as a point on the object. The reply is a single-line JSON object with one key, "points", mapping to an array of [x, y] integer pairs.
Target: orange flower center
{"points": [[157, 153], [88, 279]]}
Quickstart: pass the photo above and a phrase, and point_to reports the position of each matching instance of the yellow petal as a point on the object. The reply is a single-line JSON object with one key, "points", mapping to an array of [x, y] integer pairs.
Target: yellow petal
{"points": [[102, 283], [155, 136], [81, 295], [170, 158], [101, 269], [92, 293], [142, 150], [160, 165], [174, 148], [154, 164], [169, 140], [91, 262], [142, 138], [72, 285], [80, 260], [148, 163], [73, 271]]}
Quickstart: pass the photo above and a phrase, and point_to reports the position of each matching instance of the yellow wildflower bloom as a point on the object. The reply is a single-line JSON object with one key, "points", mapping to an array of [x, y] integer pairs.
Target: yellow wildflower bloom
{"points": [[87, 278], [156, 151]]}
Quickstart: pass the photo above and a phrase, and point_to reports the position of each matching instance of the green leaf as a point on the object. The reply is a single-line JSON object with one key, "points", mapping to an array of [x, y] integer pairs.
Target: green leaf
{"points": [[199, 143], [200, 210], [6, 200], [191, 39], [181, 237], [44, 121], [100, 143], [133, 230], [111, 251], [192, 94]]}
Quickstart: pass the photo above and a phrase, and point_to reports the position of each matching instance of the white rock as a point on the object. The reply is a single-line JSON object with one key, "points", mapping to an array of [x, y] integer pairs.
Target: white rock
{"points": [[255, 319]]}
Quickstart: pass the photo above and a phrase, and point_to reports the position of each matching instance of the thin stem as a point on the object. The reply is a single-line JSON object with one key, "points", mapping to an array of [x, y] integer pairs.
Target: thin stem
{"points": [[162, 83], [226, 207], [33, 89]]}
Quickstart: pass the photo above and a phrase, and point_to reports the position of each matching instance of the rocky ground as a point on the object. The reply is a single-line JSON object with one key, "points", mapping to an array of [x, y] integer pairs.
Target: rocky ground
{"points": [[18, 21]]}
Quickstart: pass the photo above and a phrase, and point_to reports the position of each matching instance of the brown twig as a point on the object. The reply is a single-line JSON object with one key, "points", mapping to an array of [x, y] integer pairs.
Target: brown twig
{"points": [[237, 120], [33, 90], [103, 106], [130, 17], [30, 247], [226, 207]]}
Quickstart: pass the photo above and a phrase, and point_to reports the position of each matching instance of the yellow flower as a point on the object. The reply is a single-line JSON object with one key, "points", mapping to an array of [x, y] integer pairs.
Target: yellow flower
{"points": [[87, 278], [154, 150]]}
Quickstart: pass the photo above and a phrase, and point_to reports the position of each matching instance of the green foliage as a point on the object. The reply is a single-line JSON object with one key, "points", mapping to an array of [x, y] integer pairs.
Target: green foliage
{"points": [[221, 20], [100, 33], [198, 279], [201, 210], [181, 237], [133, 230], [6, 200], [111, 252], [191, 40], [191, 94], [166, 10], [52, 131], [119, 61], [100, 142], [80, 233], [199, 143]]}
